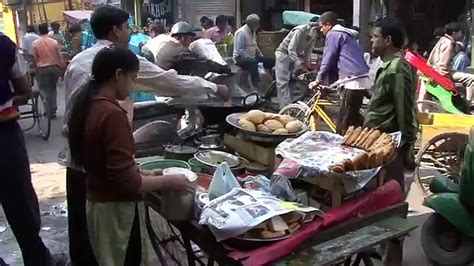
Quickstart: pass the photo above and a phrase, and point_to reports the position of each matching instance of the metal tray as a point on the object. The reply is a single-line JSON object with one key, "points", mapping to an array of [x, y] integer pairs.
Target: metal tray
{"points": [[233, 120], [214, 158]]}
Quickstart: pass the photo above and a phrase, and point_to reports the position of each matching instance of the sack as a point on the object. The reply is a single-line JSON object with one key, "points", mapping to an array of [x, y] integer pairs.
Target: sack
{"points": [[222, 182]]}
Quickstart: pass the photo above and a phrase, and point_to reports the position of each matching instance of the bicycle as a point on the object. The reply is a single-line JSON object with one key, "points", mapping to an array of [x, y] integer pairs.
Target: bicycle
{"points": [[314, 109], [37, 104]]}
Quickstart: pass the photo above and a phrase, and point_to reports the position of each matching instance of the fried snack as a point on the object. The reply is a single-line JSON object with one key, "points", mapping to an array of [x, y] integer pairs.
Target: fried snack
{"points": [[294, 126], [373, 160], [371, 139], [291, 217], [273, 124], [256, 116], [354, 136], [293, 227], [280, 131], [337, 168], [362, 140], [270, 235], [348, 134], [385, 139], [348, 165], [263, 128], [361, 161], [361, 135], [277, 224], [247, 125], [285, 119]]}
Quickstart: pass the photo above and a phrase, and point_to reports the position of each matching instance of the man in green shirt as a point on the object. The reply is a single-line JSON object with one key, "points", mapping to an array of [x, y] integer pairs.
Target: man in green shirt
{"points": [[392, 107]]}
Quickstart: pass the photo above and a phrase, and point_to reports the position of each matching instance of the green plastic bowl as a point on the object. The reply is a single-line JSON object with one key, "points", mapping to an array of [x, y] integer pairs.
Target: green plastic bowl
{"points": [[163, 164], [196, 166]]}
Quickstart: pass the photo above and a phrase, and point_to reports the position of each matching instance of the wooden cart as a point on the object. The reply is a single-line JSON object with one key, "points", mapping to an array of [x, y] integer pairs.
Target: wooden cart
{"points": [[443, 138]]}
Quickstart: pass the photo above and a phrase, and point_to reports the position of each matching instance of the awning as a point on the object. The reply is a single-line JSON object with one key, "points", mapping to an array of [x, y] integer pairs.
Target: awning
{"points": [[295, 18], [76, 16]]}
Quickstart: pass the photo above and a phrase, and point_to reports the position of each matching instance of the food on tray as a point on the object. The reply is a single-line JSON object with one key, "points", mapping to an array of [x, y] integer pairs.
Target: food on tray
{"points": [[379, 149], [263, 128], [294, 126], [273, 124], [280, 131], [276, 227], [285, 119], [255, 116], [247, 125], [269, 123]]}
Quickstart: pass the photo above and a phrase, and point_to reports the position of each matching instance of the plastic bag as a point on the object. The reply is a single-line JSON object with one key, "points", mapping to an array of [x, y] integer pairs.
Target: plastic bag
{"points": [[258, 182], [281, 188], [222, 182]]}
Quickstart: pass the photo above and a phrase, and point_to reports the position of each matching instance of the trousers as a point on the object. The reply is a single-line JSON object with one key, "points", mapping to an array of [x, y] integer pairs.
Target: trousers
{"points": [[47, 78], [18, 197], [467, 81], [284, 68], [349, 111], [80, 250], [251, 65]]}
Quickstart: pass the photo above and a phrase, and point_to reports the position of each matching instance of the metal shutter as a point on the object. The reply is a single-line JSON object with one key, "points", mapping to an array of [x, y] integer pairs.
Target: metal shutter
{"points": [[193, 10]]}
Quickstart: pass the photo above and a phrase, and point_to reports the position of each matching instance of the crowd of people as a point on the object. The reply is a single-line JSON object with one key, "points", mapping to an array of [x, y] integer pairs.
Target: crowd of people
{"points": [[104, 186]]}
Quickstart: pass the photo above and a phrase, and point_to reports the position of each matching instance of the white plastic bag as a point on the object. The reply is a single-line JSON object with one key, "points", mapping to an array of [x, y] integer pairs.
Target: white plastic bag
{"points": [[222, 182]]}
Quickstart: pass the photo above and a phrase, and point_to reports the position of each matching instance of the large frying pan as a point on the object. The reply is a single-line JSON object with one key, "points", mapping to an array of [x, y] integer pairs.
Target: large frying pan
{"points": [[233, 120]]}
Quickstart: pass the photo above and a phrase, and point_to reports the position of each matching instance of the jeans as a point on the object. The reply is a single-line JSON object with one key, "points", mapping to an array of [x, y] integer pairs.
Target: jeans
{"points": [[18, 196], [47, 78], [251, 65], [80, 250]]}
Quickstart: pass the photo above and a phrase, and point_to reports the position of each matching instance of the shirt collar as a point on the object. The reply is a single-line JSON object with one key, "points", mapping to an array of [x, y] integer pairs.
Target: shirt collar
{"points": [[114, 101], [387, 63]]}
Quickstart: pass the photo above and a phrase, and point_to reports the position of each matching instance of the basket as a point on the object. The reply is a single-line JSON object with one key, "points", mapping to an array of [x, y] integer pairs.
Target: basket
{"points": [[163, 164]]}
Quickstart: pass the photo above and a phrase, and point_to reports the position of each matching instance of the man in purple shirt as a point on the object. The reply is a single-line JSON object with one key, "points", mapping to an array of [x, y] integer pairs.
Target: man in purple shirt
{"points": [[343, 58]]}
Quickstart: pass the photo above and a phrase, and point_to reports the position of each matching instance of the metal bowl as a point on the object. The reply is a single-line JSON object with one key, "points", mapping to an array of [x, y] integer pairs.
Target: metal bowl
{"points": [[214, 158], [233, 120]]}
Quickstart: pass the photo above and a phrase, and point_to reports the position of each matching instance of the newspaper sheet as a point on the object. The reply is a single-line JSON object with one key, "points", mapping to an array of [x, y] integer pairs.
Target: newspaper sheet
{"points": [[240, 210]]}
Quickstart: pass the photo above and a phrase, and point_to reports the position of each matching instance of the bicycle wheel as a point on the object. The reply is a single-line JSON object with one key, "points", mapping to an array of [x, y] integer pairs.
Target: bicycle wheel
{"points": [[299, 111], [426, 106], [442, 155], [168, 239], [42, 115]]}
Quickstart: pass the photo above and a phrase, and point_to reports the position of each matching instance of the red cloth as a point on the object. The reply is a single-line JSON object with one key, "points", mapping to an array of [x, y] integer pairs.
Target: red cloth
{"points": [[384, 196]]}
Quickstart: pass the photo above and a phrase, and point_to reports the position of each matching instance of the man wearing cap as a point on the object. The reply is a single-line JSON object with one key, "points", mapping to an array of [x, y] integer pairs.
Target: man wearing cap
{"points": [[295, 48], [246, 51], [175, 54]]}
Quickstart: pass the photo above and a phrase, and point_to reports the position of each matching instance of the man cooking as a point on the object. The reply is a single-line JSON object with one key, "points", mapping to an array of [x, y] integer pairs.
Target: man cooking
{"points": [[343, 58], [175, 54], [110, 27], [247, 54], [295, 49]]}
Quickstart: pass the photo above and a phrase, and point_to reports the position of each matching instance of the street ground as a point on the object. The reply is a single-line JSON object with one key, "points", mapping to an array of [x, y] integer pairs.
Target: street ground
{"points": [[49, 180]]}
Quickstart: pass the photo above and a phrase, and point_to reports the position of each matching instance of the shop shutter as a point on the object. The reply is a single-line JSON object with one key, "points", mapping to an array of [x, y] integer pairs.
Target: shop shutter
{"points": [[193, 10]]}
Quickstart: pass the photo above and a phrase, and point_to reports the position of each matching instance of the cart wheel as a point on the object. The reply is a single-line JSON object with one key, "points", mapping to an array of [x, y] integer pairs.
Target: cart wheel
{"points": [[426, 106], [444, 244], [167, 237], [442, 155], [42, 115]]}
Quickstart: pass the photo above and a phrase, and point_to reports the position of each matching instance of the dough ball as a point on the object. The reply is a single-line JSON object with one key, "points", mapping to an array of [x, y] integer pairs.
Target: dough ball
{"points": [[256, 116], [270, 115], [280, 131], [263, 128], [273, 124], [285, 119], [294, 126], [247, 125]]}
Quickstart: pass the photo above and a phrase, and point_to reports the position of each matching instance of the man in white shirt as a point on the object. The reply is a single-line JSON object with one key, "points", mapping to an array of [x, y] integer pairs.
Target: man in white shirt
{"points": [[28, 39], [110, 27]]}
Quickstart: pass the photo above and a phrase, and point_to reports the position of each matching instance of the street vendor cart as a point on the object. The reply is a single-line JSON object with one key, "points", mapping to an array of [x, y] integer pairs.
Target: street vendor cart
{"points": [[365, 213]]}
